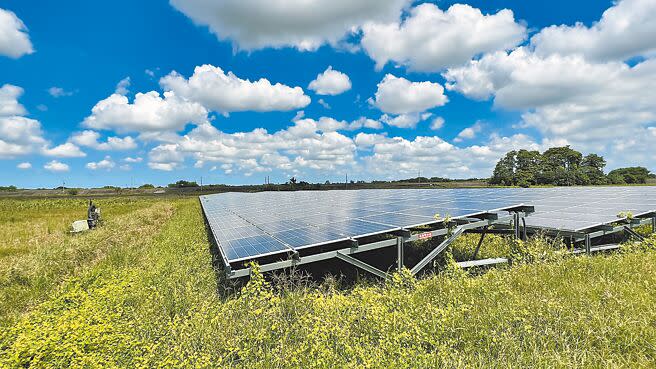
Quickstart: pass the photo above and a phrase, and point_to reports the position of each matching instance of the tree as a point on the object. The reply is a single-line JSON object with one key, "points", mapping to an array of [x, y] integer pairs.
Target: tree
{"points": [[292, 180], [182, 184], [504, 171], [629, 175], [146, 186], [561, 166], [527, 165], [592, 167]]}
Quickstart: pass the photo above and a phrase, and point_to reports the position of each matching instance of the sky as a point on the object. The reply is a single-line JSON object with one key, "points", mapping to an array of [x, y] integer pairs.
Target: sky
{"points": [[235, 91]]}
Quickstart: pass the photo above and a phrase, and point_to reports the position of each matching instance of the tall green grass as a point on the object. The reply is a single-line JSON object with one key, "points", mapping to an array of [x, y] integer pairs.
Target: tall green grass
{"points": [[156, 304]]}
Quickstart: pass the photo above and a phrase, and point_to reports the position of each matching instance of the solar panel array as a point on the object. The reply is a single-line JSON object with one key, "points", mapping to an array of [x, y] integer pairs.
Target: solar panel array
{"points": [[248, 225], [580, 208]]}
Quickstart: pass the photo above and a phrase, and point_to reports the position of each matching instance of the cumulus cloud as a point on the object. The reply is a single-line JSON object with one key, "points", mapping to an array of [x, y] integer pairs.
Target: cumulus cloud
{"points": [[394, 156], [625, 30], [397, 95], [19, 135], [66, 150], [89, 138], [122, 86], [9, 104], [430, 39], [565, 97], [327, 124], [14, 40], [149, 112], [302, 146], [106, 164], [257, 24], [330, 82], [218, 91], [404, 120], [437, 123], [24, 165], [133, 160], [55, 91], [469, 132], [56, 166]]}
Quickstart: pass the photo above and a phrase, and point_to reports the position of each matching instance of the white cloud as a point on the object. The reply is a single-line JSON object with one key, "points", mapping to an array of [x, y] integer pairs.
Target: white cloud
{"points": [[148, 113], [24, 165], [469, 132], [397, 95], [106, 163], [565, 97], [165, 157], [226, 93], [56, 166], [300, 147], [59, 92], [324, 104], [403, 120], [90, 139], [432, 156], [133, 160], [307, 127], [66, 150], [625, 30], [437, 123], [14, 40], [9, 104], [430, 39], [19, 136], [330, 82], [122, 86], [257, 24]]}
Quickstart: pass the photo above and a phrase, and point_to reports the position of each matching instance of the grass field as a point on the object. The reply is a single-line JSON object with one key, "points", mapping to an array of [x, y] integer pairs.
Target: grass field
{"points": [[141, 291]]}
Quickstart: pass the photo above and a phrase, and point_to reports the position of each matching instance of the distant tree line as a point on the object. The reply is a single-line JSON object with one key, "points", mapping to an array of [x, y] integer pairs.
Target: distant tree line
{"points": [[561, 166]]}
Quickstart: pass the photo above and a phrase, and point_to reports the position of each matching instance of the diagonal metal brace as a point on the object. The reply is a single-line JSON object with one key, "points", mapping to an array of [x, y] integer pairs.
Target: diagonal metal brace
{"points": [[361, 264], [436, 251], [633, 233]]}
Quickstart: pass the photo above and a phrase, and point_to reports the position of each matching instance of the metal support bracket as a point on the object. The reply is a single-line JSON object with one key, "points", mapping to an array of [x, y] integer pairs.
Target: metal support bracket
{"points": [[633, 233], [436, 251], [399, 253], [588, 244], [480, 242], [362, 265]]}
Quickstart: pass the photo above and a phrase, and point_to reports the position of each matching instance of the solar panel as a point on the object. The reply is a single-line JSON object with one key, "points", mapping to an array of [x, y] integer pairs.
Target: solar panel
{"points": [[249, 225]]}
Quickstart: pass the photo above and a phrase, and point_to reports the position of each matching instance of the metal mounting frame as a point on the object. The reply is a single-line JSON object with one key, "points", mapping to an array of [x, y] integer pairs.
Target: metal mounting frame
{"points": [[346, 254]]}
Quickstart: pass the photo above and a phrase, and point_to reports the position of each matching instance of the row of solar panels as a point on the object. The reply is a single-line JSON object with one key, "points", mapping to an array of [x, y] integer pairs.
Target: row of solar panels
{"points": [[249, 225]]}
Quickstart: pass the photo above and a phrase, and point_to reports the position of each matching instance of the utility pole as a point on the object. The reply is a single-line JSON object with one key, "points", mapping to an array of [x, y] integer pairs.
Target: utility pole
{"points": [[346, 183], [201, 183]]}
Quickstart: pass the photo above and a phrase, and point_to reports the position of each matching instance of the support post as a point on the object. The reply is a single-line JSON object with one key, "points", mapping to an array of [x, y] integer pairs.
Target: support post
{"points": [[400, 241], [653, 225], [480, 242], [516, 224], [524, 235], [588, 244]]}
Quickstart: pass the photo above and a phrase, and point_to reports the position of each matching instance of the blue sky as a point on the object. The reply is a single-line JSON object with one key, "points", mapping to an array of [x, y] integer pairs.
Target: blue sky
{"points": [[508, 80]]}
